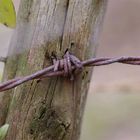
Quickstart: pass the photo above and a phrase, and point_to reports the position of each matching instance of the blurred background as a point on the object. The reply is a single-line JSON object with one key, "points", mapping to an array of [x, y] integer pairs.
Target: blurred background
{"points": [[113, 104]]}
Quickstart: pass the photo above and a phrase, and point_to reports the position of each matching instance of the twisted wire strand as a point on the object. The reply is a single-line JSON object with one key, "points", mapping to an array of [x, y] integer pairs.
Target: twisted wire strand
{"points": [[70, 63], [3, 59]]}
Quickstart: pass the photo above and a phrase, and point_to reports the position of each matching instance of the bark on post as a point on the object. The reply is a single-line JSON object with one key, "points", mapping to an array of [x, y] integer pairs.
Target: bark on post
{"points": [[52, 109]]}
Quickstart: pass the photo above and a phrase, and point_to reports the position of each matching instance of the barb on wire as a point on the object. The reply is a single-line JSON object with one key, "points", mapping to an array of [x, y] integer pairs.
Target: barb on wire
{"points": [[67, 67]]}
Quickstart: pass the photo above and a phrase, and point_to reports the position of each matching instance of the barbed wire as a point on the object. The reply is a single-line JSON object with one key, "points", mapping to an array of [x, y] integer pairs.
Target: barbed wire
{"points": [[68, 66], [3, 59]]}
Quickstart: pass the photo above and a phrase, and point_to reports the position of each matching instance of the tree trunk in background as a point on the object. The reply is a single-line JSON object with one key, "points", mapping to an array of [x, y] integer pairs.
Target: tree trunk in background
{"points": [[50, 109]]}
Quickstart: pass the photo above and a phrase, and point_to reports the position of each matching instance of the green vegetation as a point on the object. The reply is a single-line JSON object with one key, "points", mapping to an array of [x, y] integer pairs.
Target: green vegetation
{"points": [[7, 13], [3, 131]]}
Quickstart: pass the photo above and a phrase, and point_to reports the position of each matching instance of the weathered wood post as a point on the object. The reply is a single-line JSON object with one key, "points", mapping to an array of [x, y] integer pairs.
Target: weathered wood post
{"points": [[51, 109]]}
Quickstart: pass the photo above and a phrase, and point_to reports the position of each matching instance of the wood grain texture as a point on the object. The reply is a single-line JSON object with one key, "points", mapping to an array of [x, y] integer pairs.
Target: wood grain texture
{"points": [[52, 109]]}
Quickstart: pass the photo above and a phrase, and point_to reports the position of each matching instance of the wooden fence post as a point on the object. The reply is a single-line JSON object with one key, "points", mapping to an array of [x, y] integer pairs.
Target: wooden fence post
{"points": [[51, 109]]}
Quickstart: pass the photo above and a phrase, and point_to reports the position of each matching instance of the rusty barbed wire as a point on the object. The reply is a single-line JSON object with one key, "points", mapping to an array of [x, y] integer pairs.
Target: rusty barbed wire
{"points": [[67, 67]]}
